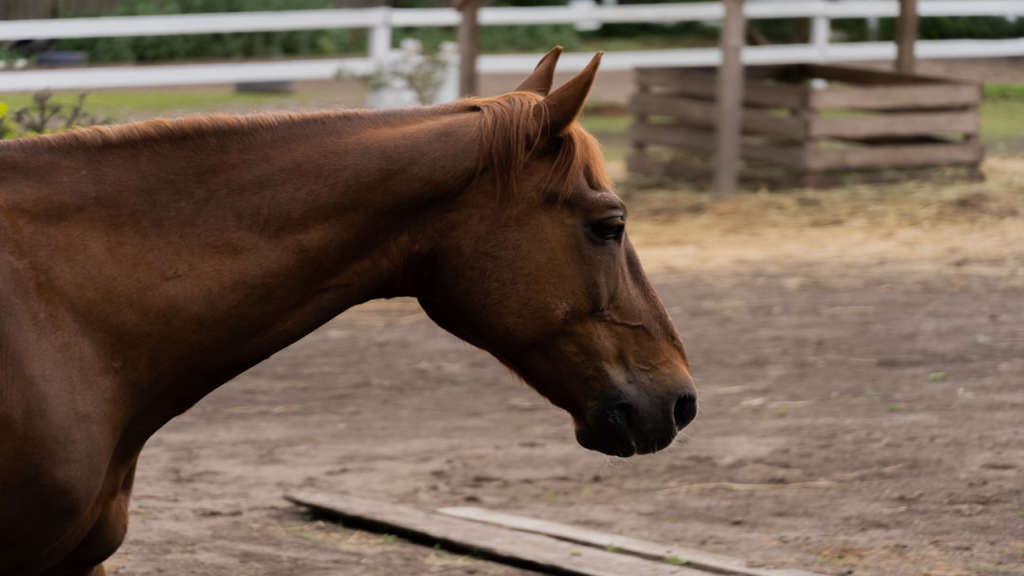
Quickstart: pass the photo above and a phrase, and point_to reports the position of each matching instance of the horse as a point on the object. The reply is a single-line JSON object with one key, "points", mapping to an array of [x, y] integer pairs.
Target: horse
{"points": [[144, 265]]}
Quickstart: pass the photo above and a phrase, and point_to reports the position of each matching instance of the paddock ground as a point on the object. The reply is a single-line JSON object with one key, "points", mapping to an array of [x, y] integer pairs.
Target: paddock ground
{"points": [[859, 355]]}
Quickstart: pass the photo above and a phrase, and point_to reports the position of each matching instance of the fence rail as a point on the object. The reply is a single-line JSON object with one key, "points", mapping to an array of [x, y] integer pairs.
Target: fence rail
{"points": [[380, 21]]}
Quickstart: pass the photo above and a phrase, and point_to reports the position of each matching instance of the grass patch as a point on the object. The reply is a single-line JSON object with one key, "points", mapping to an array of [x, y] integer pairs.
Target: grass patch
{"points": [[606, 124], [1004, 91], [118, 103], [1002, 119]]}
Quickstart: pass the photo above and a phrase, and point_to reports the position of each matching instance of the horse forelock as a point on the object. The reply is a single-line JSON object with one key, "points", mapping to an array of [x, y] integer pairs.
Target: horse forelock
{"points": [[513, 130]]}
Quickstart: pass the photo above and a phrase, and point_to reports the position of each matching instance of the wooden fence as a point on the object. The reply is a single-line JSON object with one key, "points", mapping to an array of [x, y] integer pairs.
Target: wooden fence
{"points": [[811, 124], [381, 21]]}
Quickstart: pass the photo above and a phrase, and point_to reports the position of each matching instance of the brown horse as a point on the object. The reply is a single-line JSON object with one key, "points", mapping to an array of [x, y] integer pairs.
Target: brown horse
{"points": [[142, 266]]}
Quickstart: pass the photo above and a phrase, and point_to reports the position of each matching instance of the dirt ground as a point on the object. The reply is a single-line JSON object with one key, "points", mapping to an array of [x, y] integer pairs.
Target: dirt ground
{"points": [[860, 362]]}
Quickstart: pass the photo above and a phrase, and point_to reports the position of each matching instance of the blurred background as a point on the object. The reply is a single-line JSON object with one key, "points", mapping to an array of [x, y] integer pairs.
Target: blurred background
{"points": [[856, 331]]}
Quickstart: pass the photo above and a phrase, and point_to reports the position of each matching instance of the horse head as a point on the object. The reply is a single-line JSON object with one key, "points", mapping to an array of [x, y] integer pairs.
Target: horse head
{"points": [[537, 268]]}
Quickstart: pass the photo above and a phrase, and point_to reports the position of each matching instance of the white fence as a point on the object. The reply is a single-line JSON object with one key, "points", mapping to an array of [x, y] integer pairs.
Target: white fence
{"points": [[381, 21]]}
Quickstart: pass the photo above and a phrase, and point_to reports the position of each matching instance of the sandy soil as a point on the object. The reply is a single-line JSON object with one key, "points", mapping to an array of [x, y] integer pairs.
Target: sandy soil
{"points": [[860, 359]]}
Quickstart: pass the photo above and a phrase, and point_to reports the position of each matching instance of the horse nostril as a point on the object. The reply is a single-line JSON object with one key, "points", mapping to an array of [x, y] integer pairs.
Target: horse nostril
{"points": [[621, 414], [685, 410]]}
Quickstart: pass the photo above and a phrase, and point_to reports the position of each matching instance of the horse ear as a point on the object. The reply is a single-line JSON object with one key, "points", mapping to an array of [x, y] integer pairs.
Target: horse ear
{"points": [[540, 79], [564, 104]]}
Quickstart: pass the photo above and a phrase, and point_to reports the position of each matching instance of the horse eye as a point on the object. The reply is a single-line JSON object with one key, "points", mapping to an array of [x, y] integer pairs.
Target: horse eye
{"points": [[608, 229]]}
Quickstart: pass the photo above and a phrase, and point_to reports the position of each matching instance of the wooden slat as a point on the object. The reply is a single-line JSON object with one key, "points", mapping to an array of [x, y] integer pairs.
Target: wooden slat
{"points": [[897, 97], [693, 558], [674, 136], [701, 113], [702, 85], [696, 112], [530, 550], [878, 125], [764, 122], [881, 157], [854, 75], [774, 95], [789, 156]]}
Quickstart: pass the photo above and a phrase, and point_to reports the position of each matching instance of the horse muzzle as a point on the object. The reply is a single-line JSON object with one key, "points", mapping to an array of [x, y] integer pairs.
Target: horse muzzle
{"points": [[628, 424]]}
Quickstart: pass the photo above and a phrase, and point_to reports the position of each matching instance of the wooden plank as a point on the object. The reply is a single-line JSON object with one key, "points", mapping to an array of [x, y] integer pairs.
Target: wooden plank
{"points": [[854, 75], [790, 127], [701, 85], [673, 135], [696, 83], [694, 169], [694, 558], [880, 125], [729, 100], [897, 97], [638, 148], [530, 550], [789, 156], [906, 37], [696, 112], [701, 113], [683, 138], [881, 157]]}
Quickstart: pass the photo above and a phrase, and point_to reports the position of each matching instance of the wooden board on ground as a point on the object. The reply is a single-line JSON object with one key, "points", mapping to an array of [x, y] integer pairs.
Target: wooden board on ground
{"points": [[704, 561], [531, 551]]}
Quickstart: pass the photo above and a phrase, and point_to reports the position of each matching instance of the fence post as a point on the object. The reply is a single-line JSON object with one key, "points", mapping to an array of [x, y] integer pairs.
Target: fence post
{"points": [[906, 36], [729, 99], [469, 45], [380, 37], [821, 31]]}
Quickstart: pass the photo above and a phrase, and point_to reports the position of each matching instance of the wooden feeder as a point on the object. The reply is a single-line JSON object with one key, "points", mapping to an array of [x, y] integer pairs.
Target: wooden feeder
{"points": [[809, 124]]}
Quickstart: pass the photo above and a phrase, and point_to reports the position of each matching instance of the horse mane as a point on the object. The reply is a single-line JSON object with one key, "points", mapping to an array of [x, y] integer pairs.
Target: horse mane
{"points": [[158, 130], [511, 133], [514, 130]]}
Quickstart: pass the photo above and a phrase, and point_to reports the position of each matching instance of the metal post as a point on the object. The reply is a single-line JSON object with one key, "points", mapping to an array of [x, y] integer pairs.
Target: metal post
{"points": [[729, 99], [906, 35], [469, 45]]}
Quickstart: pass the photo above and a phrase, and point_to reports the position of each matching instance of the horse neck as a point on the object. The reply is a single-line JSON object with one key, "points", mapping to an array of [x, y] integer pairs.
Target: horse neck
{"points": [[191, 259]]}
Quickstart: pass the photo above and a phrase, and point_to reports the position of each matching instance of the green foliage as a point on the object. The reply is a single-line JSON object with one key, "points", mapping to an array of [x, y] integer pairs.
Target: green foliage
{"points": [[6, 128], [538, 38], [1004, 91], [219, 46], [43, 115], [985, 27]]}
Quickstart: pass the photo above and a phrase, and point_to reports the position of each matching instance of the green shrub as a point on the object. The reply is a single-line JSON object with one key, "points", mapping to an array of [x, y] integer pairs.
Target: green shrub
{"points": [[44, 116], [1004, 91], [6, 128], [984, 27], [218, 46]]}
